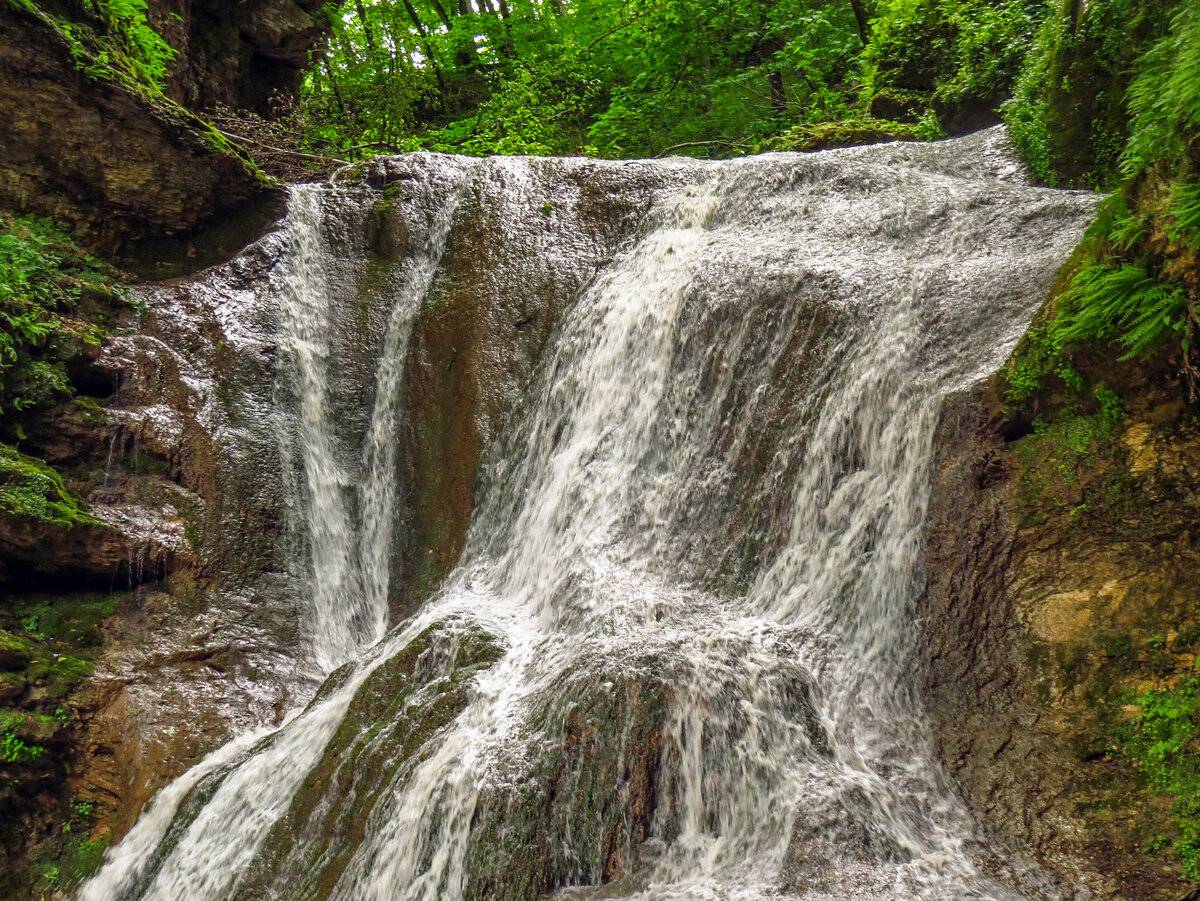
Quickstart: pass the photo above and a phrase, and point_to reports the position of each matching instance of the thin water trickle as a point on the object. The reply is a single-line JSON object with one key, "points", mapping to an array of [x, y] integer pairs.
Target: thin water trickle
{"points": [[345, 502], [695, 549]]}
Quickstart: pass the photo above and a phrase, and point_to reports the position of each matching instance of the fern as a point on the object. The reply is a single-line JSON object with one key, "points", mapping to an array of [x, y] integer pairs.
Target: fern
{"points": [[1126, 230], [1184, 211], [1122, 305], [1164, 98], [137, 47]]}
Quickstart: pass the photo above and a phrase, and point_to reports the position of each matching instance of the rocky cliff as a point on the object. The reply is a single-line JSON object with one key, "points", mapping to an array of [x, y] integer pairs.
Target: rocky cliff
{"points": [[1063, 625], [125, 164]]}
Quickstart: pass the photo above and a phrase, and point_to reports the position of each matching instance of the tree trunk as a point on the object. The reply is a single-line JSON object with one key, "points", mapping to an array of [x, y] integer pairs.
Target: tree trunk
{"points": [[441, 11], [861, 19], [778, 96], [366, 25]]}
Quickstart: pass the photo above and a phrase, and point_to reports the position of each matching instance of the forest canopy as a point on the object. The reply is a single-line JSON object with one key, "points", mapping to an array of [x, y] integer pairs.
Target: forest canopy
{"points": [[633, 79]]}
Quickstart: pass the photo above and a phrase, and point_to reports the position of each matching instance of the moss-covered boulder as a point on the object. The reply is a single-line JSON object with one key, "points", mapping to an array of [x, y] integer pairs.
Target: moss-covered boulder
{"points": [[390, 727]]}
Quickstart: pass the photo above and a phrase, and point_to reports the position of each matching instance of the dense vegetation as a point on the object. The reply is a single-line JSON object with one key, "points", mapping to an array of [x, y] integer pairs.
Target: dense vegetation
{"points": [[1134, 279], [615, 78], [56, 304]]}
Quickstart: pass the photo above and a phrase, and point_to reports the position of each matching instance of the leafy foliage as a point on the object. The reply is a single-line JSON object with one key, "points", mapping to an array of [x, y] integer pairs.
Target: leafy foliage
{"points": [[111, 39], [1164, 98], [43, 277], [14, 750], [1068, 113], [130, 42], [592, 76], [1122, 304], [1160, 743], [614, 78], [1133, 289], [954, 49]]}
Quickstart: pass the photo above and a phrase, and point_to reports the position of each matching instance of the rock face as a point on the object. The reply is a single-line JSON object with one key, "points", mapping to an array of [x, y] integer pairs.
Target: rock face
{"points": [[138, 178], [1064, 572], [244, 56]]}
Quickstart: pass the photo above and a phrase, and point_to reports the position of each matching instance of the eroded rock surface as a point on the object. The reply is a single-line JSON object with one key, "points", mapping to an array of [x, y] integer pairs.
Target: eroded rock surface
{"points": [[139, 180], [1064, 573]]}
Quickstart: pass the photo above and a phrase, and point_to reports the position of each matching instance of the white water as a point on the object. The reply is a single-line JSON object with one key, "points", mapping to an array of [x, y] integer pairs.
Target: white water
{"points": [[715, 486], [348, 498]]}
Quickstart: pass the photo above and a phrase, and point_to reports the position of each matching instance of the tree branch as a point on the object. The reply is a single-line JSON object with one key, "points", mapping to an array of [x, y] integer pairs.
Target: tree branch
{"points": [[688, 144]]}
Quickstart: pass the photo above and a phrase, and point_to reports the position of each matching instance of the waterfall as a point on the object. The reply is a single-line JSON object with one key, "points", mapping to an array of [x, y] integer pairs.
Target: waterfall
{"points": [[674, 659]]}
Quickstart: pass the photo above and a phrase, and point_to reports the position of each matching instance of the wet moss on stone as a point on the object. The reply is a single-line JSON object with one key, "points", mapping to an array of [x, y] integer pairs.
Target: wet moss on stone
{"points": [[388, 729], [48, 647], [30, 488]]}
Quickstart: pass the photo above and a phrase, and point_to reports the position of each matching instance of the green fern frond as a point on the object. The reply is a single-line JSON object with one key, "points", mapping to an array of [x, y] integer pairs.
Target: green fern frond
{"points": [[1184, 209], [1159, 317], [1121, 305], [1164, 97]]}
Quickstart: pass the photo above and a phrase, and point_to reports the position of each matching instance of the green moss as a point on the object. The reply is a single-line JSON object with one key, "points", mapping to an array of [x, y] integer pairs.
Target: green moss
{"points": [[141, 462], [65, 861], [30, 488], [851, 132], [14, 651], [89, 408], [1161, 744], [1067, 466], [72, 620], [61, 674]]}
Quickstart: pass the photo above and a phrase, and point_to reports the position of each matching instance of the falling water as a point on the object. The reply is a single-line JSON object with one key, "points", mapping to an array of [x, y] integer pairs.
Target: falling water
{"points": [[348, 508], [675, 655]]}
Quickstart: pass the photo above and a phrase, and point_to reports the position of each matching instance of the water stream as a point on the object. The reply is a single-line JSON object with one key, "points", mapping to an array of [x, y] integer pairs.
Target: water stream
{"points": [[675, 657]]}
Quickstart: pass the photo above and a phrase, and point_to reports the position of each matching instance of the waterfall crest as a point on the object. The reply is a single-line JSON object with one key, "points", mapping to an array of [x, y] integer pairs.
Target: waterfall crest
{"points": [[674, 658]]}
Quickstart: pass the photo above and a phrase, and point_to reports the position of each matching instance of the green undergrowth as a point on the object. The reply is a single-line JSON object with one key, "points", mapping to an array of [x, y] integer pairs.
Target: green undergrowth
{"points": [[1068, 113], [107, 37], [51, 301], [1159, 742], [57, 304], [616, 79], [948, 52], [1132, 285]]}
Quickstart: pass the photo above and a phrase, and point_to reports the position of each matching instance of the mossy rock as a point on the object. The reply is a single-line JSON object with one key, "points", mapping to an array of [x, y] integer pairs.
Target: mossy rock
{"points": [[30, 488], [850, 133], [388, 729], [900, 105], [14, 652]]}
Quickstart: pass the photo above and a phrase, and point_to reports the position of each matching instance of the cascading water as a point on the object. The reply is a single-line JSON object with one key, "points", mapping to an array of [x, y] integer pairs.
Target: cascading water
{"points": [[674, 659], [348, 507]]}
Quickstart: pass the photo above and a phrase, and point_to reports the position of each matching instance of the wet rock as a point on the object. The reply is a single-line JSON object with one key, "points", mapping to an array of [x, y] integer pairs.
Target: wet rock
{"points": [[14, 653], [139, 180], [480, 332], [1055, 590], [391, 725]]}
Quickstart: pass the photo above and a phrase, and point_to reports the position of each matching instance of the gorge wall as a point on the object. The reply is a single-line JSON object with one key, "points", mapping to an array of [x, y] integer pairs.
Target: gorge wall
{"points": [[126, 165], [1062, 603]]}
